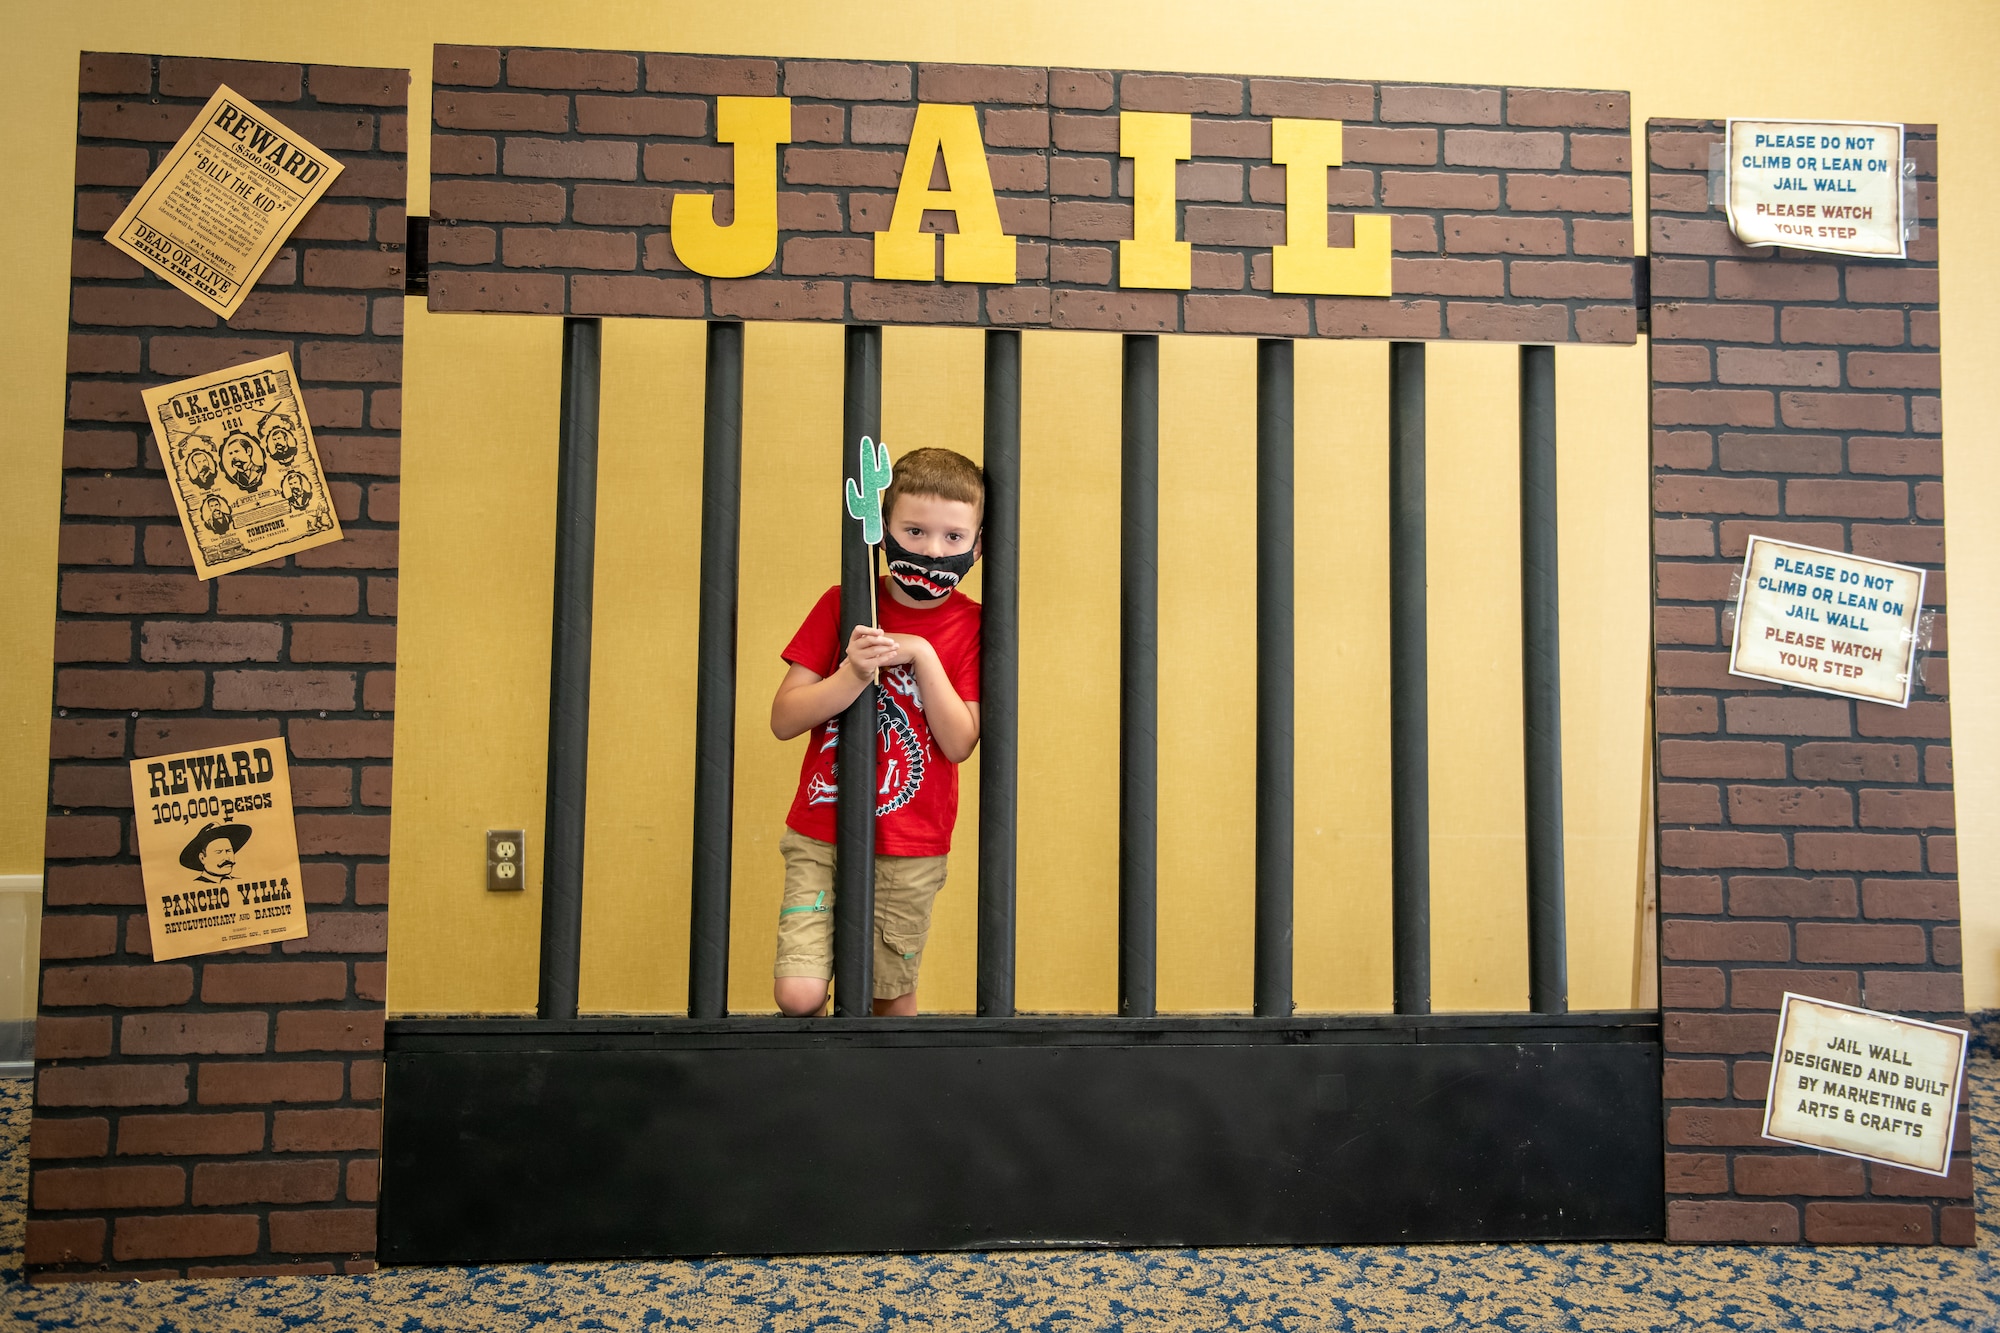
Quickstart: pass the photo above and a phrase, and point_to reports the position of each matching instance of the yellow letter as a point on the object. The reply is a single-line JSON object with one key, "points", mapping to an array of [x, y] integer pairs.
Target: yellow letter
{"points": [[1308, 149], [978, 251], [756, 125], [1154, 140]]}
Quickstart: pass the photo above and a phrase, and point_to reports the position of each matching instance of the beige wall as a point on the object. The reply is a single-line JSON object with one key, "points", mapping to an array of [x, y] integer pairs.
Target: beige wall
{"points": [[471, 725]]}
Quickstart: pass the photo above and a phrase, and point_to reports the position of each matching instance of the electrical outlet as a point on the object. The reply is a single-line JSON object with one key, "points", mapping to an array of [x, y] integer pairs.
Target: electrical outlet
{"points": [[506, 859]]}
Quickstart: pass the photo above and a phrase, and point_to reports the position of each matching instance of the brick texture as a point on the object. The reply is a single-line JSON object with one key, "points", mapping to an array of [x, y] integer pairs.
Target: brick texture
{"points": [[161, 1086], [1803, 846], [554, 175]]}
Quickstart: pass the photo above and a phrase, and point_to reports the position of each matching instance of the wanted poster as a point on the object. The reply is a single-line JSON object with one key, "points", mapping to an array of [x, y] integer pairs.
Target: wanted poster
{"points": [[217, 848], [240, 458], [223, 201]]}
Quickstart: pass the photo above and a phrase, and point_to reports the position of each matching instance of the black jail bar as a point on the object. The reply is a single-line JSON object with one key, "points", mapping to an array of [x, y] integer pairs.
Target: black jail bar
{"points": [[1409, 689], [854, 879], [1272, 966], [1541, 685], [999, 673], [1138, 677], [715, 687], [569, 671]]}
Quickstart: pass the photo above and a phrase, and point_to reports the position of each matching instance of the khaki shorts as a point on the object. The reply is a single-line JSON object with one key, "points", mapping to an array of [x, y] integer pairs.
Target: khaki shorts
{"points": [[904, 889]]}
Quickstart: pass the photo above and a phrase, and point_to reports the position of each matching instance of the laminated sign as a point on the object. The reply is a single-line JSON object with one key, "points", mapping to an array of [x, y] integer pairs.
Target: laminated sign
{"points": [[223, 201], [1833, 186], [1828, 621], [240, 457], [1862, 1084], [218, 849]]}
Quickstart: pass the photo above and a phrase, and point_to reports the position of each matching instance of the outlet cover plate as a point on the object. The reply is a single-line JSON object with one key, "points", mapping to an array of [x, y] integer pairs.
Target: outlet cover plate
{"points": [[506, 860]]}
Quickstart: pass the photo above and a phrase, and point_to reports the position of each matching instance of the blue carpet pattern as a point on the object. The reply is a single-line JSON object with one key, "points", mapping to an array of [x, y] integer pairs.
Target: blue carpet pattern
{"points": [[1590, 1288]]}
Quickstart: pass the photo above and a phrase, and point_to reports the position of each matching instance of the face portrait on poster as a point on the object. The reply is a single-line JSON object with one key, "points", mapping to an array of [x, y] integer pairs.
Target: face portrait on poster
{"points": [[218, 849], [223, 201], [245, 472]]}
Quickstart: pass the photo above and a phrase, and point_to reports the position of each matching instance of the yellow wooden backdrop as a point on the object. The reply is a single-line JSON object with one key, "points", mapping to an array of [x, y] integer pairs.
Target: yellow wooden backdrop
{"points": [[479, 449]]}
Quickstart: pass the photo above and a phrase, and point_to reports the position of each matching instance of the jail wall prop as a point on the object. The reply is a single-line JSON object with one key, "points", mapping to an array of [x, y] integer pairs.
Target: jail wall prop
{"points": [[554, 175], [220, 1114], [1805, 841], [1579, 1089]]}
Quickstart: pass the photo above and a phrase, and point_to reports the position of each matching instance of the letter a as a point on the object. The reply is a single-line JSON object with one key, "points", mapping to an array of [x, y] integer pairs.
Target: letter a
{"points": [[979, 251], [1308, 149], [756, 125]]}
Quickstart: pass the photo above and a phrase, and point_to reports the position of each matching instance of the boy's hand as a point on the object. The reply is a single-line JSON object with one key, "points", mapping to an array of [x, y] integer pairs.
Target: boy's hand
{"points": [[868, 651]]}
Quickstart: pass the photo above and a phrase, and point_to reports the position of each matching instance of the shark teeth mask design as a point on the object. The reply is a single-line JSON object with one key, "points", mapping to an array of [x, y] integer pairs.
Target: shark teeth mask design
{"points": [[925, 578]]}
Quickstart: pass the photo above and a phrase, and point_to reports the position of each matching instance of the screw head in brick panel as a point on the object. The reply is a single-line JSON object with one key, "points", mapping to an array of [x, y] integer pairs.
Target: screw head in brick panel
{"points": [[506, 857]]}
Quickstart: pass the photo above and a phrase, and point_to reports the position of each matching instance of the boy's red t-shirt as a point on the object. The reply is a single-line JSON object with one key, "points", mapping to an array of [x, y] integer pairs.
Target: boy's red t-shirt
{"points": [[916, 802]]}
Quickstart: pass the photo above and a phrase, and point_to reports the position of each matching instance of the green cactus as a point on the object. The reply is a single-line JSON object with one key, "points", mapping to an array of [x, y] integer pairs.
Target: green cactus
{"points": [[864, 499]]}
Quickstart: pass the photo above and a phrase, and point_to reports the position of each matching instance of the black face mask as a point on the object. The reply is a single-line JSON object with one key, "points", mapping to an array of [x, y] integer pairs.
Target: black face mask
{"points": [[925, 577]]}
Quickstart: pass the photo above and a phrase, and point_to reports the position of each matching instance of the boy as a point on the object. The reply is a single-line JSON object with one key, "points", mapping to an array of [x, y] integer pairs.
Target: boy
{"points": [[925, 659]]}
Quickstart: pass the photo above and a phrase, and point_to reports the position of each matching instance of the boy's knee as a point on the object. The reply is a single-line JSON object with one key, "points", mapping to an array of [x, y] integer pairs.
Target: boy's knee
{"points": [[799, 997]]}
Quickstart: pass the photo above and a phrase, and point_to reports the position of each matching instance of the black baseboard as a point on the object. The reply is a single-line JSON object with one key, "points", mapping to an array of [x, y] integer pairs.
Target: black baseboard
{"points": [[619, 1139]]}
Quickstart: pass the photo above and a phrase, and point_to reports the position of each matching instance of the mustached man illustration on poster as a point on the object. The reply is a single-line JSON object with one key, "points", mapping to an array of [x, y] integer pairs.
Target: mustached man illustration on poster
{"points": [[217, 848], [245, 472]]}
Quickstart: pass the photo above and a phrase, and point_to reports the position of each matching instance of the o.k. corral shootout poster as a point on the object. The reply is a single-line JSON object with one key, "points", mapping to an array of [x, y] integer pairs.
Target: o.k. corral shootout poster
{"points": [[218, 849], [223, 201], [240, 458]]}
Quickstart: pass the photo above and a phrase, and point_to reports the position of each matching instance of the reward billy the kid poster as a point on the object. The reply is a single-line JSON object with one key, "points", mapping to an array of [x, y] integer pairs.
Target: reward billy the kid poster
{"points": [[222, 202]]}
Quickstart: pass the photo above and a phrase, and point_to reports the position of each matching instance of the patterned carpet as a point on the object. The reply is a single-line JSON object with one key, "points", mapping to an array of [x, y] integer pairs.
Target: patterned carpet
{"points": [[1595, 1288]]}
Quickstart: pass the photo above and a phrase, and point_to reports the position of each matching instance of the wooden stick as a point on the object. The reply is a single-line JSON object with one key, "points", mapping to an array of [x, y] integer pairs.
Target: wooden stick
{"points": [[874, 582]]}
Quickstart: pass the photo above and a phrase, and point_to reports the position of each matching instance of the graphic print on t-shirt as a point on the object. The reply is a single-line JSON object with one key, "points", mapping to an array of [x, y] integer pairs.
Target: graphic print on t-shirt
{"points": [[900, 760], [917, 786]]}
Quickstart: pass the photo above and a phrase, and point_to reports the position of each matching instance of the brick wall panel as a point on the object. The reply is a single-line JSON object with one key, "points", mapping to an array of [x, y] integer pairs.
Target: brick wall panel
{"points": [[158, 1083], [526, 218], [1830, 845]]}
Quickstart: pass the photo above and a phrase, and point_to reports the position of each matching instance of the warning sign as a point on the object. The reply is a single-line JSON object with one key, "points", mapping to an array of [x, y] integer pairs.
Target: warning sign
{"points": [[1824, 620], [1834, 186]]}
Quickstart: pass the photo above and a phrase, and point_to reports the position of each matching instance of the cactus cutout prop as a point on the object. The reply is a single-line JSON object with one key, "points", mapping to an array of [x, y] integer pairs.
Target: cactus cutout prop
{"points": [[864, 502], [864, 497]]}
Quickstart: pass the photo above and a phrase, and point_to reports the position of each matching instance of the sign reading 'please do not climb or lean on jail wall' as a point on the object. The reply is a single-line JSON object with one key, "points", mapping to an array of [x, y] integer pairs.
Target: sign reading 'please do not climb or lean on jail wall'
{"points": [[1828, 621], [1834, 187]]}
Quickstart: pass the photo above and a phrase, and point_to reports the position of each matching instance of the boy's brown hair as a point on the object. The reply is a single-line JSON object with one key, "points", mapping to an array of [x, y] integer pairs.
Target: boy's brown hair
{"points": [[940, 472]]}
